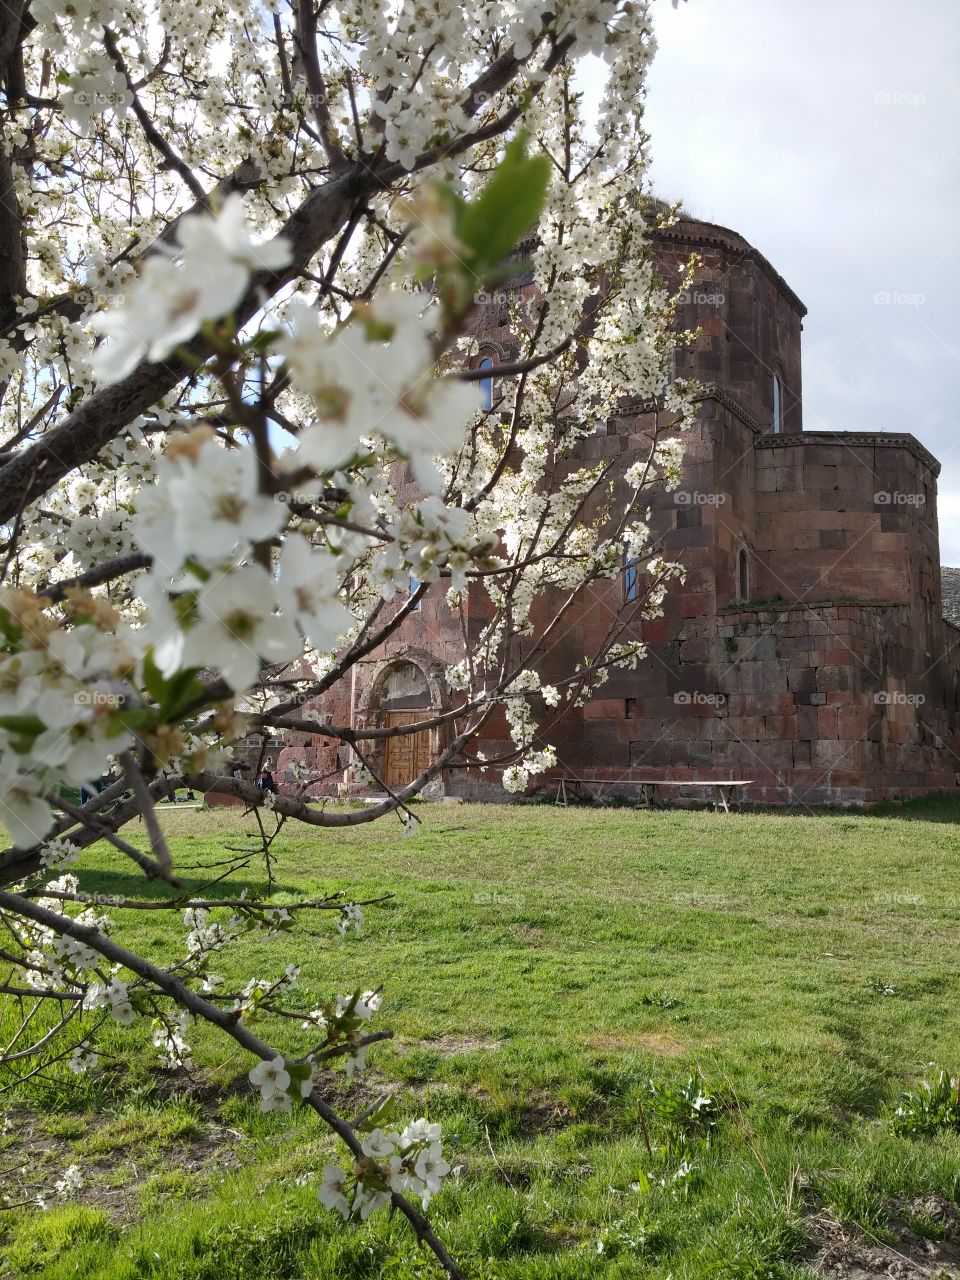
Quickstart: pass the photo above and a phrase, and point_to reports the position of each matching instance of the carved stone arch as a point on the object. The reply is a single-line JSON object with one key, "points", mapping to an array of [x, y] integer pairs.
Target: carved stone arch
{"points": [[487, 347], [409, 686], [372, 699]]}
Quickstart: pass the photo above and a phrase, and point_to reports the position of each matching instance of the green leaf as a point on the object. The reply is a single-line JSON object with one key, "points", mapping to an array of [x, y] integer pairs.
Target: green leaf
{"points": [[198, 571], [136, 719], [9, 627], [173, 694], [153, 679], [183, 688], [508, 207], [262, 341], [28, 725], [381, 1115]]}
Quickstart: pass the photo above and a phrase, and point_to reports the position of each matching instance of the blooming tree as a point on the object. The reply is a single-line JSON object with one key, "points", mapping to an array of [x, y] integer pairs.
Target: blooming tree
{"points": [[241, 248]]}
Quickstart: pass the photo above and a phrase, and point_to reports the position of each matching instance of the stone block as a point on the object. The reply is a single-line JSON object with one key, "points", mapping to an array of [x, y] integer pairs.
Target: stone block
{"points": [[802, 679], [604, 709]]}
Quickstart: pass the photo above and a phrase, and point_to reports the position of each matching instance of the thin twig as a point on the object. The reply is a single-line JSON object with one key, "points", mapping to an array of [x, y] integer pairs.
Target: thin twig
{"points": [[141, 792], [493, 1154]]}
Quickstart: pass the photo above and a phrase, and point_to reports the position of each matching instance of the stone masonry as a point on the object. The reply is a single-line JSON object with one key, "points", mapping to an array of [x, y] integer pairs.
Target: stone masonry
{"points": [[806, 650]]}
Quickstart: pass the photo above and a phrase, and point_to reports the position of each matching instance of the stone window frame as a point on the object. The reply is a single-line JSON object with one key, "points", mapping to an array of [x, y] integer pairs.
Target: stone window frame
{"points": [[496, 353], [741, 574], [631, 579], [777, 400], [486, 384]]}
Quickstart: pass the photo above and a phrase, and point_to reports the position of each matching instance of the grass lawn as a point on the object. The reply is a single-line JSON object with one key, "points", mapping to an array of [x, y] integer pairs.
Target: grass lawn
{"points": [[539, 967]]}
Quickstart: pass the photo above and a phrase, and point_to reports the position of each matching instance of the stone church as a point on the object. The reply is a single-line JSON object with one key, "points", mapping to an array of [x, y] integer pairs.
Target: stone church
{"points": [[806, 652]]}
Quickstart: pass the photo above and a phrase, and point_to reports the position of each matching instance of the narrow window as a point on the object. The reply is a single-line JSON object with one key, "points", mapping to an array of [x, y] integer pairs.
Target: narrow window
{"points": [[486, 384], [414, 587], [777, 406], [743, 586], [631, 580], [629, 708]]}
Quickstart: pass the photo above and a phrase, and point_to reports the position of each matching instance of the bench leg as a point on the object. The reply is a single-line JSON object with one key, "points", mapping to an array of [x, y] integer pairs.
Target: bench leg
{"points": [[652, 801], [722, 799]]}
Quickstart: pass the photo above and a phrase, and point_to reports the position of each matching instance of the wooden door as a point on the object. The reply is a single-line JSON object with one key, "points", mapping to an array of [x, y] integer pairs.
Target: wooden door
{"points": [[407, 754]]}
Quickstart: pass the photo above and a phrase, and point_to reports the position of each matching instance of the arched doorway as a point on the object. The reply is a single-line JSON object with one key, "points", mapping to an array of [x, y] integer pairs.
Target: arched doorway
{"points": [[404, 698]]}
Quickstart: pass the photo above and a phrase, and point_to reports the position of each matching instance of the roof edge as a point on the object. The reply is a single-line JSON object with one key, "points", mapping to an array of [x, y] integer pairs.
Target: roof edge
{"points": [[852, 439], [683, 232]]}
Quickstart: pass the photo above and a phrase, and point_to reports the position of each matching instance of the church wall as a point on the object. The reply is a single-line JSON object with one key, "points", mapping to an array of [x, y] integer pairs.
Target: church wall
{"points": [[826, 676], [812, 705], [848, 516], [750, 318]]}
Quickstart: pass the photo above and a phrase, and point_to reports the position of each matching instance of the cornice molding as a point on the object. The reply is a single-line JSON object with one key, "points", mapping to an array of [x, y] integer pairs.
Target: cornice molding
{"points": [[851, 440], [631, 405]]}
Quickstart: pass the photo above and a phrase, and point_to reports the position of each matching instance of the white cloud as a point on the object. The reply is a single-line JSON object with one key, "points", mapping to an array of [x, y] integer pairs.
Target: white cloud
{"points": [[823, 133]]}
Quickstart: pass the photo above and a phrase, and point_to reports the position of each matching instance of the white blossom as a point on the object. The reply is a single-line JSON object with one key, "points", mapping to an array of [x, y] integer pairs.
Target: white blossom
{"points": [[84, 1058], [272, 1078], [378, 1144], [71, 1182], [239, 627], [58, 853], [203, 278], [331, 1192], [351, 916]]}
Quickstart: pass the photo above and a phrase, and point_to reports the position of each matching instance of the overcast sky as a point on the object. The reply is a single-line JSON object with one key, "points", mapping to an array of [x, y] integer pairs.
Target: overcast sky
{"points": [[826, 132]]}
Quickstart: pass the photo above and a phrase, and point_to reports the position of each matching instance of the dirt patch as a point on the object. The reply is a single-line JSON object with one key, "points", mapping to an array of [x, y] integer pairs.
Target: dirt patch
{"points": [[528, 934], [451, 1046], [34, 1158], [646, 1041], [538, 1118], [849, 1253]]}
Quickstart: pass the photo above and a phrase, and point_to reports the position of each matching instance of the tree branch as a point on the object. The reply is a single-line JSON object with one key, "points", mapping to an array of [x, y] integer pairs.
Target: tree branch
{"points": [[227, 1022]]}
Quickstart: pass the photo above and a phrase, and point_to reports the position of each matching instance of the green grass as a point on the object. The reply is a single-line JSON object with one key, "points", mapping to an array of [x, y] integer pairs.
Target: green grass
{"points": [[539, 966]]}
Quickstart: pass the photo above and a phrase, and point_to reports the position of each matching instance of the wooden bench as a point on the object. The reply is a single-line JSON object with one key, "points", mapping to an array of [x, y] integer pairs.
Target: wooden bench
{"points": [[724, 789]]}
